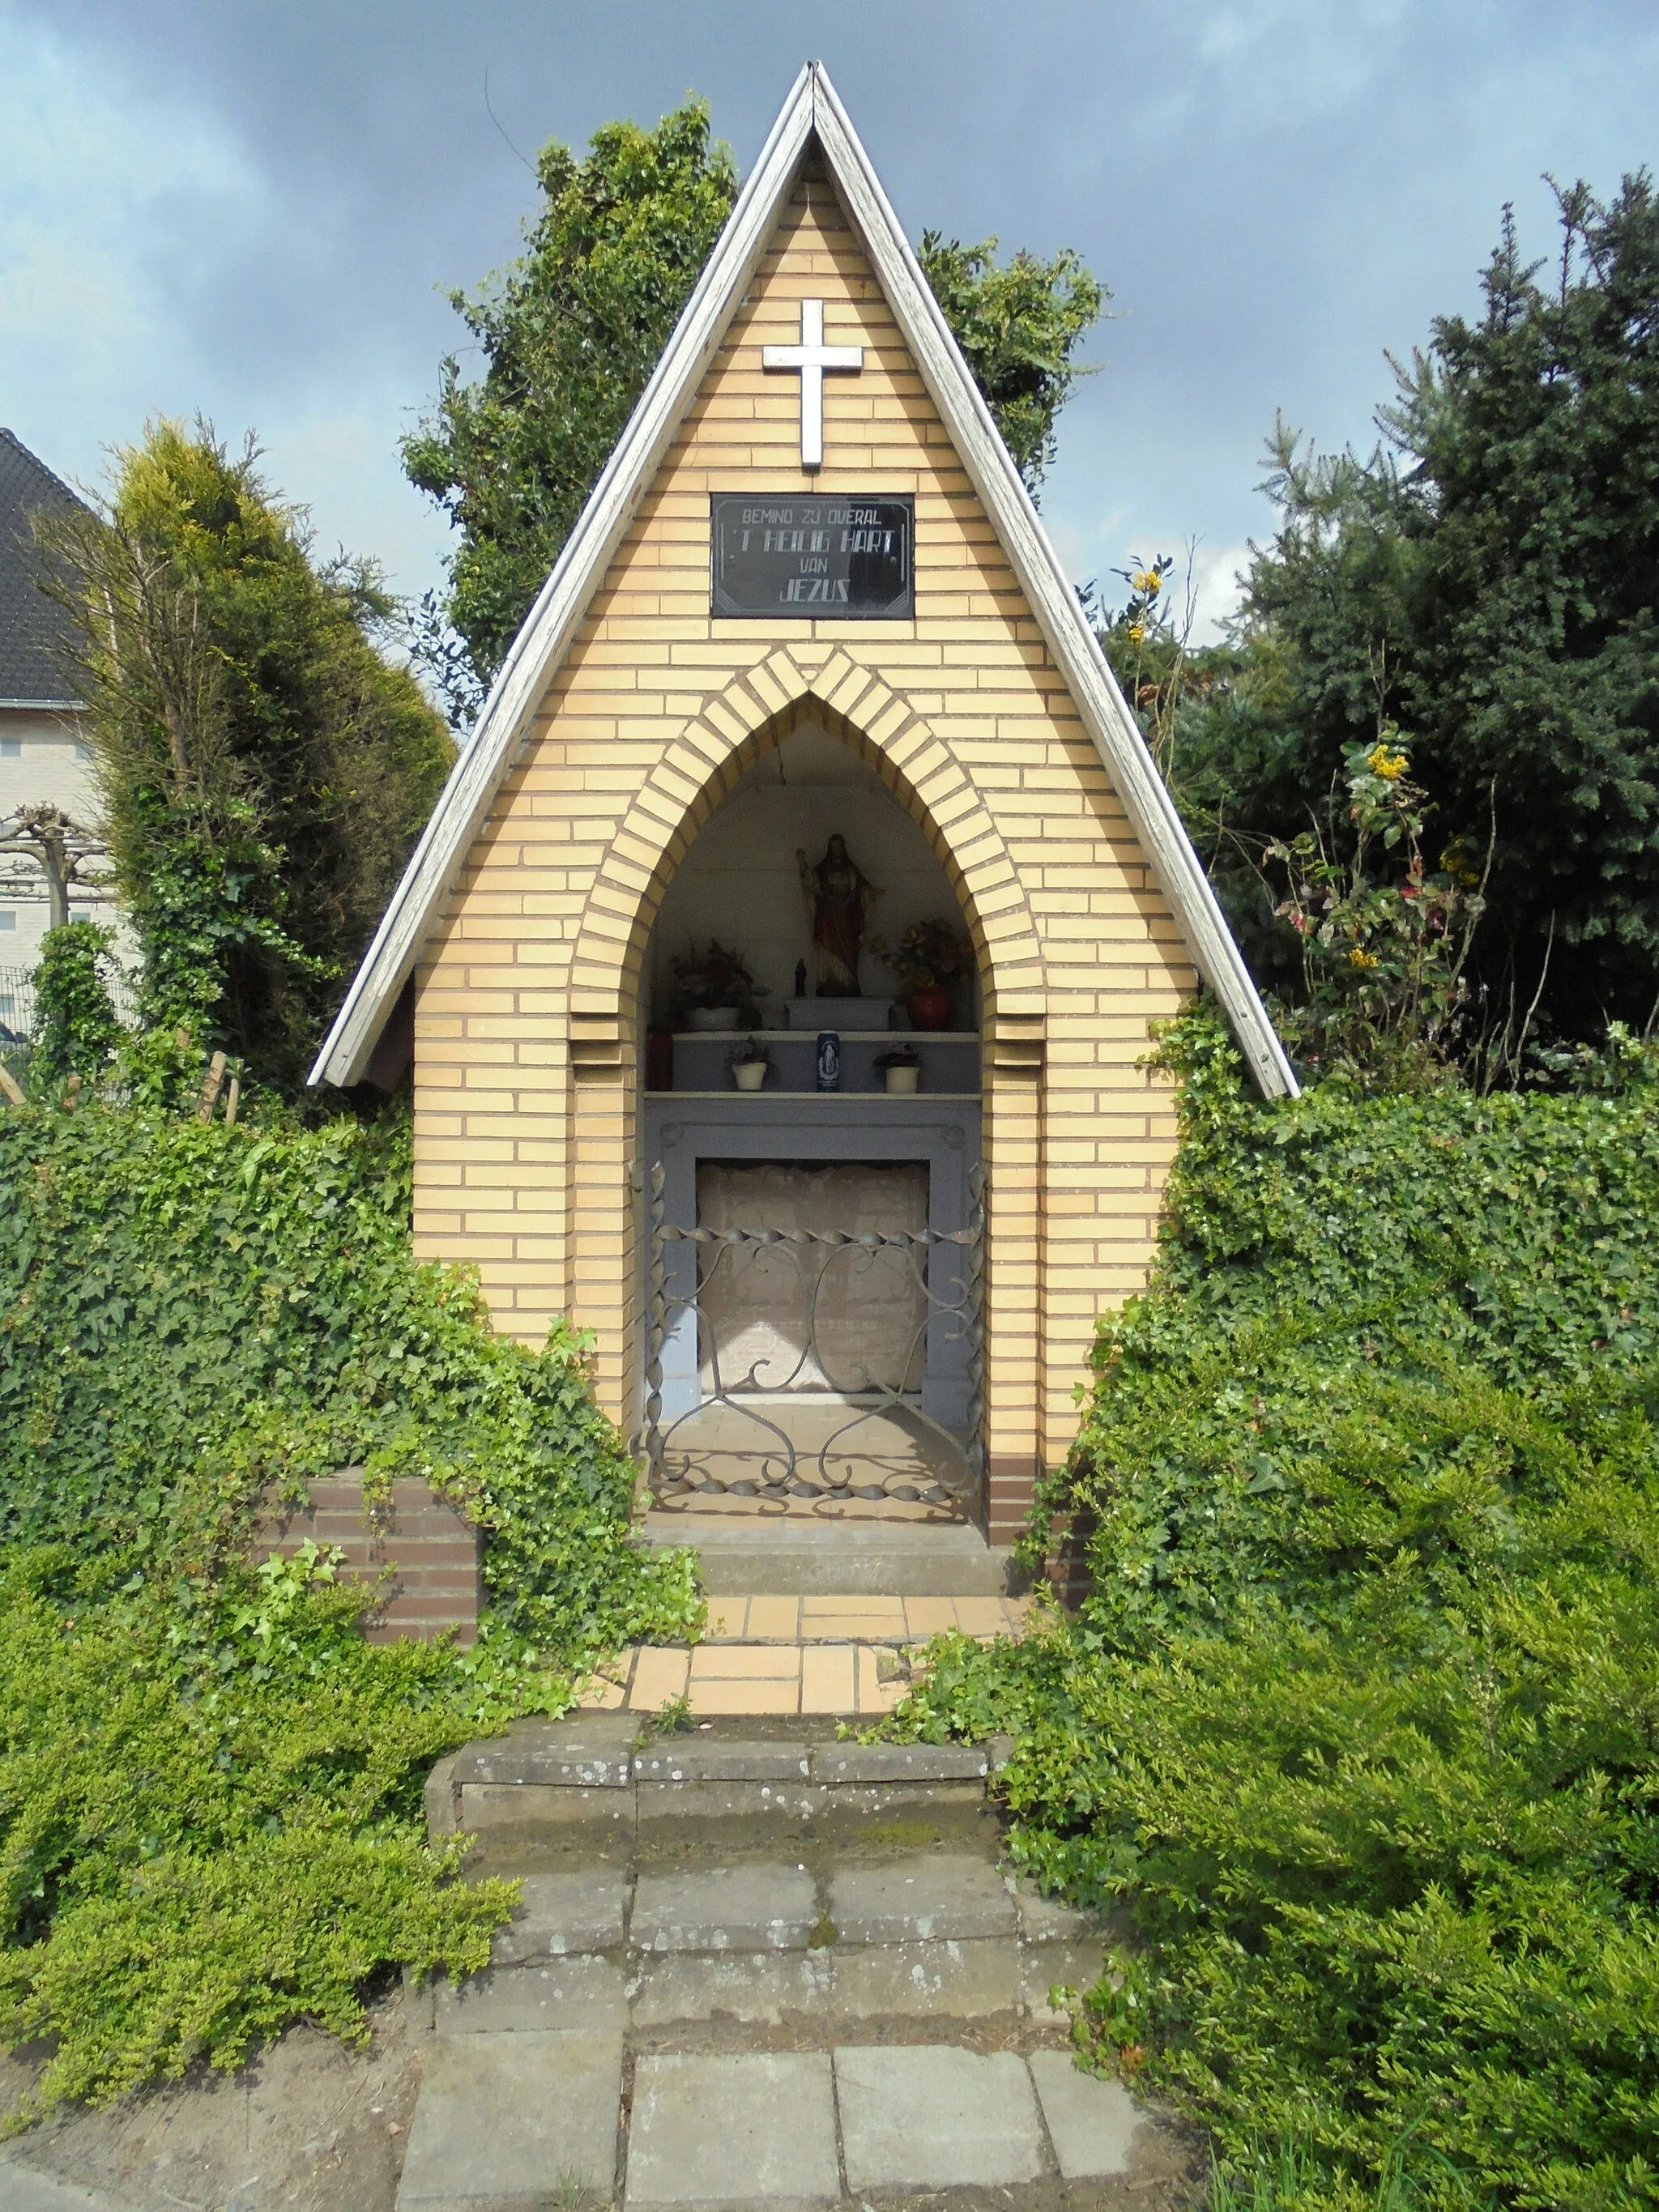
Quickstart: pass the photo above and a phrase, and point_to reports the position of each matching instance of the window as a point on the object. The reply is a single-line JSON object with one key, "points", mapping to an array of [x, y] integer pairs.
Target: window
{"points": [[82, 750], [7, 917], [11, 749]]}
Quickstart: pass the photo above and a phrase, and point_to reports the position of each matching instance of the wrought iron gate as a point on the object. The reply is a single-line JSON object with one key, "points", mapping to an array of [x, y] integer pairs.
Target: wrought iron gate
{"points": [[725, 1443]]}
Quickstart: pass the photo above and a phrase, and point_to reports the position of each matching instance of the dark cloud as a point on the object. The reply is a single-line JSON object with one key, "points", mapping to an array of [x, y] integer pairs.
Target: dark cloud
{"points": [[1276, 190]]}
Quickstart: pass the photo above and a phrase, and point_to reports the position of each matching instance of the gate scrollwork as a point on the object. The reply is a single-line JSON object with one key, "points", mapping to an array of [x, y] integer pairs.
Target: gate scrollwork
{"points": [[945, 1464]]}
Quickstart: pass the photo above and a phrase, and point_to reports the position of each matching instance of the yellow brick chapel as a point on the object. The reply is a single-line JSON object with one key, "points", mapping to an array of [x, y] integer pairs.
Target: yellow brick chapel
{"points": [[807, 677]]}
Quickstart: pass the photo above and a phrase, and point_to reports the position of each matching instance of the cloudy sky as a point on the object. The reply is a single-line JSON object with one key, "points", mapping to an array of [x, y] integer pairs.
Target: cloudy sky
{"points": [[252, 210]]}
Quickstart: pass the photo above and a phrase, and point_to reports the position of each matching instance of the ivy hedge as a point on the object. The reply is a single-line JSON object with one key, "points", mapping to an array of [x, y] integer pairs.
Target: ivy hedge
{"points": [[191, 1314], [1360, 1719], [210, 1784]]}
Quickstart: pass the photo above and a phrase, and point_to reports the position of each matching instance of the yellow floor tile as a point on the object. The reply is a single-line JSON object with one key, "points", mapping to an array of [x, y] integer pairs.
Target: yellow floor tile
{"points": [[872, 1616], [875, 1696], [658, 1675], [773, 1619], [829, 1678], [981, 1616], [745, 1662], [853, 1629], [725, 1618], [929, 1616], [709, 1698], [606, 1692]]}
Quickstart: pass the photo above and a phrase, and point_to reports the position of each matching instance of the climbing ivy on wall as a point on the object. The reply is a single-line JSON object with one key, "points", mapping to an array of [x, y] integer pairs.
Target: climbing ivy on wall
{"points": [[194, 1313]]}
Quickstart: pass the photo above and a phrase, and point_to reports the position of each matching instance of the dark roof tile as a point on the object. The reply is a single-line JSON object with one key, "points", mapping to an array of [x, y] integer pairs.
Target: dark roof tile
{"points": [[35, 632]]}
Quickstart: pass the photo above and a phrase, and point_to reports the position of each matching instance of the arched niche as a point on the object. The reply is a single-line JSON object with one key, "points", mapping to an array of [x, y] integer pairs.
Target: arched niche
{"points": [[739, 880]]}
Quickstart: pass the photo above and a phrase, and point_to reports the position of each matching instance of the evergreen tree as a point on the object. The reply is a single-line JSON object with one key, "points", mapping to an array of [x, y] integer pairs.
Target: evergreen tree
{"points": [[1488, 581], [263, 770]]}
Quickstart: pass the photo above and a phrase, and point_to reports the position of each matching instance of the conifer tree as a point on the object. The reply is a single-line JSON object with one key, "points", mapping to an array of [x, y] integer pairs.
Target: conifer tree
{"points": [[1488, 582], [264, 769]]}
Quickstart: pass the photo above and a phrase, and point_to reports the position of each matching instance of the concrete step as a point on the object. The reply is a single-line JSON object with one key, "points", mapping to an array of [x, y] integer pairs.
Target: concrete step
{"points": [[670, 2025], [744, 1555], [593, 1771], [830, 1946], [519, 2121]]}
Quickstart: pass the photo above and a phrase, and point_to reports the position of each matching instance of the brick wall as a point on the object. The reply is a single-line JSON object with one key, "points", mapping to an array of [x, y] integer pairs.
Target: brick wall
{"points": [[432, 1555], [527, 1018]]}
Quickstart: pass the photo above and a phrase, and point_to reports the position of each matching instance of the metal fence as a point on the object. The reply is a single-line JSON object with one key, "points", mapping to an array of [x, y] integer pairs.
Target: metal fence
{"points": [[17, 1006], [805, 1423]]}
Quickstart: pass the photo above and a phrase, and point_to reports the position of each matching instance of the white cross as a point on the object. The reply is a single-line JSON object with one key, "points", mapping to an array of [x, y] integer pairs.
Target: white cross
{"points": [[811, 357]]}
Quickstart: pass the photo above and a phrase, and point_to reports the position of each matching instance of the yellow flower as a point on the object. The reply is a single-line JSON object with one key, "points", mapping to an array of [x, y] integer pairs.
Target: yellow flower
{"points": [[1148, 581], [1137, 632], [1389, 765], [1359, 959]]}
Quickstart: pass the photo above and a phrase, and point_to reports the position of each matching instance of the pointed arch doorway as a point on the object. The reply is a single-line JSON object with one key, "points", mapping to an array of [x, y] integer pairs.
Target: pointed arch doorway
{"points": [[814, 1255]]}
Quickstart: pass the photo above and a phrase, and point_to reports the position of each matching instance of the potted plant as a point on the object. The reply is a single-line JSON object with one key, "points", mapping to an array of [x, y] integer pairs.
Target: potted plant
{"points": [[749, 1065], [901, 1066], [930, 959], [715, 990]]}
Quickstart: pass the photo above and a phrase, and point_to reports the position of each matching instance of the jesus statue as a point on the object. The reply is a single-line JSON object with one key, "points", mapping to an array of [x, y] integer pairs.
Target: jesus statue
{"points": [[837, 900]]}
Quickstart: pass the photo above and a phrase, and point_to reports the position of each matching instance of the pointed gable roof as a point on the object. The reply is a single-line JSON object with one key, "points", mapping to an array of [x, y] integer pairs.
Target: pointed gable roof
{"points": [[812, 113]]}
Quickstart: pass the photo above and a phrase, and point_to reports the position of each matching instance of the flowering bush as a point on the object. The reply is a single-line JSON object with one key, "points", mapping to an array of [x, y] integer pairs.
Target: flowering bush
{"points": [[1147, 641], [1382, 954]]}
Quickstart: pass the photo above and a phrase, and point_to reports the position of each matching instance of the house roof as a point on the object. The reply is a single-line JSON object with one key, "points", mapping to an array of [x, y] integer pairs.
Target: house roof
{"points": [[811, 114], [37, 636]]}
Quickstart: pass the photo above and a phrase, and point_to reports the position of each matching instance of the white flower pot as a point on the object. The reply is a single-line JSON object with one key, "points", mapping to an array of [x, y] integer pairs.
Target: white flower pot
{"points": [[748, 1074], [901, 1082]]}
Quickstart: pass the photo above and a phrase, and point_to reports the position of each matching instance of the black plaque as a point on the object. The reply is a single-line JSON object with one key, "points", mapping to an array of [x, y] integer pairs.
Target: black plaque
{"points": [[816, 554]]}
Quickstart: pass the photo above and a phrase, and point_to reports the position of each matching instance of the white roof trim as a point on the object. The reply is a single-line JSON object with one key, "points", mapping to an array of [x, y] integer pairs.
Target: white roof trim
{"points": [[514, 696], [812, 108], [1093, 687]]}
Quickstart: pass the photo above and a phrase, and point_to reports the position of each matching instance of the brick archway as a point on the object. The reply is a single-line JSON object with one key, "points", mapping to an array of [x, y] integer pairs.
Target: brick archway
{"points": [[735, 729]]}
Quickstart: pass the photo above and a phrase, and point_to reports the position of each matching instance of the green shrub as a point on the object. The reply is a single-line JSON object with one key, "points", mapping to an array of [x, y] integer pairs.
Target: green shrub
{"points": [[76, 1028], [1360, 1718], [211, 1821], [209, 1817], [1315, 1247]]}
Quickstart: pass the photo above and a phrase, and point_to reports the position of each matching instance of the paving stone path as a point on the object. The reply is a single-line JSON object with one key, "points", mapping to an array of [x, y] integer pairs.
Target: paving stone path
{"points": [[834, 2004]]}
